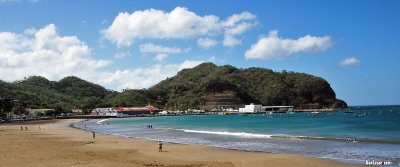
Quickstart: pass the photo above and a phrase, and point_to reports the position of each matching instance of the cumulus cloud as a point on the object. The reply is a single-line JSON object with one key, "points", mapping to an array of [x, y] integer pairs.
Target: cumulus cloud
{"points": [[43, 52], [230, 40], [274, 47], [351, 61], [145, 77], [235, 25], [206, 42], [180, 23]]}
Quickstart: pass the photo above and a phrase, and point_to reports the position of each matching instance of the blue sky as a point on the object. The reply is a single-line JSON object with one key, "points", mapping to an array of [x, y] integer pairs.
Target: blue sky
{"points": [[135, 44]]}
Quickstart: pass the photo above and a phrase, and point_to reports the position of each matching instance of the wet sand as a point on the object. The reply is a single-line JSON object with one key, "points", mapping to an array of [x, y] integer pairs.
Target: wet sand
{"points": [[56, 143]]}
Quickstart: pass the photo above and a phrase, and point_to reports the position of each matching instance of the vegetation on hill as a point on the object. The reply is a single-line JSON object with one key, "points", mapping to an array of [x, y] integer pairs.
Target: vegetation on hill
{"points": [[204, 86], [67, 94], [258, 85]]}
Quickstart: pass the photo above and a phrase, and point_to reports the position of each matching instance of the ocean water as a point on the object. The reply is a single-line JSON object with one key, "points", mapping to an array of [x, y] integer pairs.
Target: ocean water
{"points": [[377, 128]]}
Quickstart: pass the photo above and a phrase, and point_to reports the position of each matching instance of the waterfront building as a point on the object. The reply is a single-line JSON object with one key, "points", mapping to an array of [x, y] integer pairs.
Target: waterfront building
{"points": [[77, 111], [252, 108], [137, 110], [106, 112]]}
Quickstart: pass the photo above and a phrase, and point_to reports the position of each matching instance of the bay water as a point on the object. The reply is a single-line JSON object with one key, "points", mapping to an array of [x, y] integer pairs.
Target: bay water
{"points": [[376, 128]]}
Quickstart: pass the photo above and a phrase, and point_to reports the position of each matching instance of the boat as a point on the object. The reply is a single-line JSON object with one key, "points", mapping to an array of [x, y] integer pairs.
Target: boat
{"points": [[315, 113]]}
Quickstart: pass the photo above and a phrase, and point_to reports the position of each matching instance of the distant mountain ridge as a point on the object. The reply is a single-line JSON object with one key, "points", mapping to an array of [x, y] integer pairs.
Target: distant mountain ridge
{"points": [[205, 86]]}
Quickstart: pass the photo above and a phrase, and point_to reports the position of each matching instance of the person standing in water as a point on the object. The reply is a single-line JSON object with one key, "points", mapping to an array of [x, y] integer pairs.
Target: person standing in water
{"points": [[355, 140], [94, 134], [159, 146]]}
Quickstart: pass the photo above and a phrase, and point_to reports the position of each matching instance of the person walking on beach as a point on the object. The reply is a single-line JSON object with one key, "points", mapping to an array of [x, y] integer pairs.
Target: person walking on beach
{"points": [[26, 128], [159, 146], [94, 134], [22, 128]]}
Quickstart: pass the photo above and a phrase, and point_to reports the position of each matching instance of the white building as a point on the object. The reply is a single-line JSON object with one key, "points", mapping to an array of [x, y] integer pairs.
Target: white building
{"points": [[163, 113], [251, 108], [106, 112]]}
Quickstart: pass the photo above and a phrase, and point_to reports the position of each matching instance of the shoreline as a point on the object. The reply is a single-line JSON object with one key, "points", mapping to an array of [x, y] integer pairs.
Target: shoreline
{"points": [[58, 142]]}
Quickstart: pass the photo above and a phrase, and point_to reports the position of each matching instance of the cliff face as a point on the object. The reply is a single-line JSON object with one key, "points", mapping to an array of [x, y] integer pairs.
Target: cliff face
{"points": [[206, 86]]}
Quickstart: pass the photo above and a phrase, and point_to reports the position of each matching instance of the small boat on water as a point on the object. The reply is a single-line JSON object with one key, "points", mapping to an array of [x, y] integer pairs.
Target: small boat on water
{"points": [[290, 112], [315, 113]]}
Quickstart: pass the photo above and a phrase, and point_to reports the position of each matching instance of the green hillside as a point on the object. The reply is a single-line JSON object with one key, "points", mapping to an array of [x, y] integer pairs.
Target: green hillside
{"points": [[194, 88], [206, 86], [68, 93]]}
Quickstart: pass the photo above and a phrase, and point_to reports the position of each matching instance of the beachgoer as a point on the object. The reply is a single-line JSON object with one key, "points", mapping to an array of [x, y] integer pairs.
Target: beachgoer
{"points": [[26, 128], [348, 139], [94, 134], [22, 128], [108, 123], [159, 146], [85, 125], [355, 140], [39, 128]]}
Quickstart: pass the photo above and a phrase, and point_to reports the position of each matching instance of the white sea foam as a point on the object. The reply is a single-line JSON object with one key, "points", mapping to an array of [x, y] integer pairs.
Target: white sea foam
{"points": [[241, 134], [101, 121]]}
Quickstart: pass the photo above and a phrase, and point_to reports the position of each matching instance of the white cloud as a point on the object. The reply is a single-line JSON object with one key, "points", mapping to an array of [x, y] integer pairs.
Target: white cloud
{"points": [[180, 23], [237, 24], [206, 43], [351, 61], [152, 48], [104, 22], [43, 52], [231, 41], [121, 55], [144, 77], [274, 47], [160, 57]]}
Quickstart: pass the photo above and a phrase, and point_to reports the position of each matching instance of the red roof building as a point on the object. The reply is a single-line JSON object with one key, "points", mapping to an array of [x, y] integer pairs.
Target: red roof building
{"points": [[137, 110]]}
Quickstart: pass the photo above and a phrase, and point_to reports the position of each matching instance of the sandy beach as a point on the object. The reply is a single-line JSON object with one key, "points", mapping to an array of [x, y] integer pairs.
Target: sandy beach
{"points": [[56, 143]]}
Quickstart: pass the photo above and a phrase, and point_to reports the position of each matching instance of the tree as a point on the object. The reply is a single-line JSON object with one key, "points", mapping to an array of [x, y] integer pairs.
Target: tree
{"points": [[6, 106], [19, 110]]}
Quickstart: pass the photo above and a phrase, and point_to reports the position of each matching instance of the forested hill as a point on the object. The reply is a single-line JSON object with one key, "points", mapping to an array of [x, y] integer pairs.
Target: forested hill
{"points": [[70, 92], [206, 86]]}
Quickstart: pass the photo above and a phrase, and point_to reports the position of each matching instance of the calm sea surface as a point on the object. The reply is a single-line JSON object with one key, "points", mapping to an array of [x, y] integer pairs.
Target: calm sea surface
{"points": [[377, 128]]}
